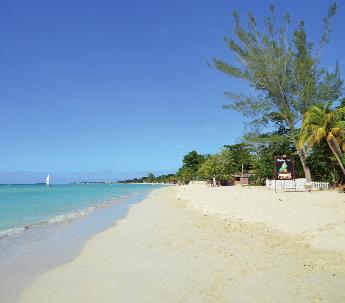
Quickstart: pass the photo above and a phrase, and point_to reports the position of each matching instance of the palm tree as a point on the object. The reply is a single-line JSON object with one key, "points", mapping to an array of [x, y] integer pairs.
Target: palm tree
{"points": [[322, 122]]}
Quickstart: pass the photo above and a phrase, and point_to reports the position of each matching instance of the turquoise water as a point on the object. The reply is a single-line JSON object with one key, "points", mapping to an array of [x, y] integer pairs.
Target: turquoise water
{"points": [[24, 205]]}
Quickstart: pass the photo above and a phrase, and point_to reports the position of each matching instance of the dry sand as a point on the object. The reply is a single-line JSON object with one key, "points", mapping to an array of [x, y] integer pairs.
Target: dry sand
{"points": [[317, 217], [198, 244]]}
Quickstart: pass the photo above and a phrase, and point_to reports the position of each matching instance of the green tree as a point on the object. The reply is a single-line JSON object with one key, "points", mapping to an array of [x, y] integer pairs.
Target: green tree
{"points": [[191, 163], [230, 160], [214, 167], [171, 178], [266, 147], [151, 178], [237, 157], [193, 160], [322, 122], [284, 72], [185, 175], [324, 166]]}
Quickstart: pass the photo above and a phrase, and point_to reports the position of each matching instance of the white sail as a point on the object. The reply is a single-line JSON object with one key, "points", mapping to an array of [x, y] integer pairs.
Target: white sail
{"points": [[48, 180]]}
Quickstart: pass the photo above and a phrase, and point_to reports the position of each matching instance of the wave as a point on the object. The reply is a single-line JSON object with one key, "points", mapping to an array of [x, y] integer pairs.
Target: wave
{"points": [[72, 215], [59, 219], [12, 231]]}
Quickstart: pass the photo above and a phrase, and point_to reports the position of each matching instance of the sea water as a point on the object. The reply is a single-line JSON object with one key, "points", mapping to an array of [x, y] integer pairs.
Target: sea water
{"points": [[23, 206], [42, 227]]}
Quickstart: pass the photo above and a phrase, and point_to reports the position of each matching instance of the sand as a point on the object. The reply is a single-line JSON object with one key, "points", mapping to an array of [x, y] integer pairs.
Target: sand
{"points": [[317, 217], [200, 244]]}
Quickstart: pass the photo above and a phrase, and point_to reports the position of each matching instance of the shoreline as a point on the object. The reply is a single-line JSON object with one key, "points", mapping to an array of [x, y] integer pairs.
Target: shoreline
{"points": [[13, 227], [57, 219], [63, 218], [176, 246], [42, 247]]}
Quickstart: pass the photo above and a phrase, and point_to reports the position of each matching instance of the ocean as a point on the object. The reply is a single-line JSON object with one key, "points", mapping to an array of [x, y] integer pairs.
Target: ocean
{"points": [[23, 206]]}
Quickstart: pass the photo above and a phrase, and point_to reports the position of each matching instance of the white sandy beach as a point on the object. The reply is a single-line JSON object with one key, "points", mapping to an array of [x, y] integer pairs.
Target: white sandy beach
{"points": [[200, 244]]}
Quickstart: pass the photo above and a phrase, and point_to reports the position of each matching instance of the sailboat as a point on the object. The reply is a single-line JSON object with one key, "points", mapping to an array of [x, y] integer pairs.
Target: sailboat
{"points": [[48, 180]]}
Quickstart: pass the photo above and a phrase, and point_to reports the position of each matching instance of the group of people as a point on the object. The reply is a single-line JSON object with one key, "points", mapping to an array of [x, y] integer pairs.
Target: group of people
{"points": [[213, 183]]}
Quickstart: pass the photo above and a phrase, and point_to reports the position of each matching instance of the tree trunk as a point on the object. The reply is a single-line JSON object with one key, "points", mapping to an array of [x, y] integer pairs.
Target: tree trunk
{"points": [[301, 154], [306, 169], [333, 146]]}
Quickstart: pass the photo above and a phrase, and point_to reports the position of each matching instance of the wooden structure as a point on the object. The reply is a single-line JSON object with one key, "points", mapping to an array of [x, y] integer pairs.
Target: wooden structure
{"points": [[239, 179]]}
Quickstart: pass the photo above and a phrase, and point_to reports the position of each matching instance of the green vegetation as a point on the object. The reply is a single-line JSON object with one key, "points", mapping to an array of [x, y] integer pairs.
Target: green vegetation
{"points": [[295, 107], [231, 160], [151, 178], [191, 164], [214, 167], [284, 73], [321, 122]]}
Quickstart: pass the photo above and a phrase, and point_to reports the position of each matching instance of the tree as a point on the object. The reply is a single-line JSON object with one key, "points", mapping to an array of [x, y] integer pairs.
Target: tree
{"points": [[214, 167], [170, 178], [322, 122], [266, 147], [238, 157], [185, 175], [150, 178], [191, 163], [284, 72], [229, 161], [193, 160], [324, 166]]}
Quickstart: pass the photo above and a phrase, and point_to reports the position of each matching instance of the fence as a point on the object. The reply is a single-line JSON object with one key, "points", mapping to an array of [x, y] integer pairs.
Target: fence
{"points": [[320, 185], [197, 182], [298, 184]]}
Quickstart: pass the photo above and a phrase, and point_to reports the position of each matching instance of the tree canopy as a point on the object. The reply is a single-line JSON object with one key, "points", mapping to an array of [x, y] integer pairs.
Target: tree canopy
{"points": [[322, 122], [283, 69], [191, 164]]}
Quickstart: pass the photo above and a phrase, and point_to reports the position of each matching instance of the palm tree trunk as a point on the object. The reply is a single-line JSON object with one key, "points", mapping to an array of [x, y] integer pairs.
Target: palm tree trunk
{"points": [[306, 169], [337, 153], [301, 154]]}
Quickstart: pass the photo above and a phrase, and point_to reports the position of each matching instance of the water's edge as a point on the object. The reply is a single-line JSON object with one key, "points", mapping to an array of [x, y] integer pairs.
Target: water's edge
{"points": [[60, 244]]}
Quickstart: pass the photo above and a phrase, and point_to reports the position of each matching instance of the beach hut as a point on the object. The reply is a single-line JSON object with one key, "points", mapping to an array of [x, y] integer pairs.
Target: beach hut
{"points": [[239, 179]]}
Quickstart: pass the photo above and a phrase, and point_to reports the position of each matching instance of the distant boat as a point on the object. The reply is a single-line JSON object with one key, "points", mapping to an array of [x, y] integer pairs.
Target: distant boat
{"points": [[48, 180]]}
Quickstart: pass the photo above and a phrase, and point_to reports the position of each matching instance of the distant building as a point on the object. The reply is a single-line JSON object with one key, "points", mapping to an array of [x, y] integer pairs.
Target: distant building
{"points": [[239, 179]]}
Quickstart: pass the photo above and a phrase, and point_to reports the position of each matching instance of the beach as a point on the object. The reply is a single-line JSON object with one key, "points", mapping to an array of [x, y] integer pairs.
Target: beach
{"points": [[203, 244], [44, 219]]}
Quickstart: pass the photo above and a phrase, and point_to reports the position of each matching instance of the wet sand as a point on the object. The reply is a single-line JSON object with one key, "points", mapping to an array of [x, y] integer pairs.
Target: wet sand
{"points": [[25, 255]]}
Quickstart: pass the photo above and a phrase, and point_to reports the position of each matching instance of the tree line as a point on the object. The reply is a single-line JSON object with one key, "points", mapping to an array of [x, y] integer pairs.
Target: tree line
{"points": [[292, 101], [151, 178], [295, 106]]}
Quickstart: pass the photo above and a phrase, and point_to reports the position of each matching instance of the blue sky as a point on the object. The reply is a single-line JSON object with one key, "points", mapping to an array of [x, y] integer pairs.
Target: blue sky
{"points": [[111, 89]]}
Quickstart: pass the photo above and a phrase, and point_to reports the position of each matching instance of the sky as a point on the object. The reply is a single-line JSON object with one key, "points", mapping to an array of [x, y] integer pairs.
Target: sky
{"points": [[104, 90]]}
